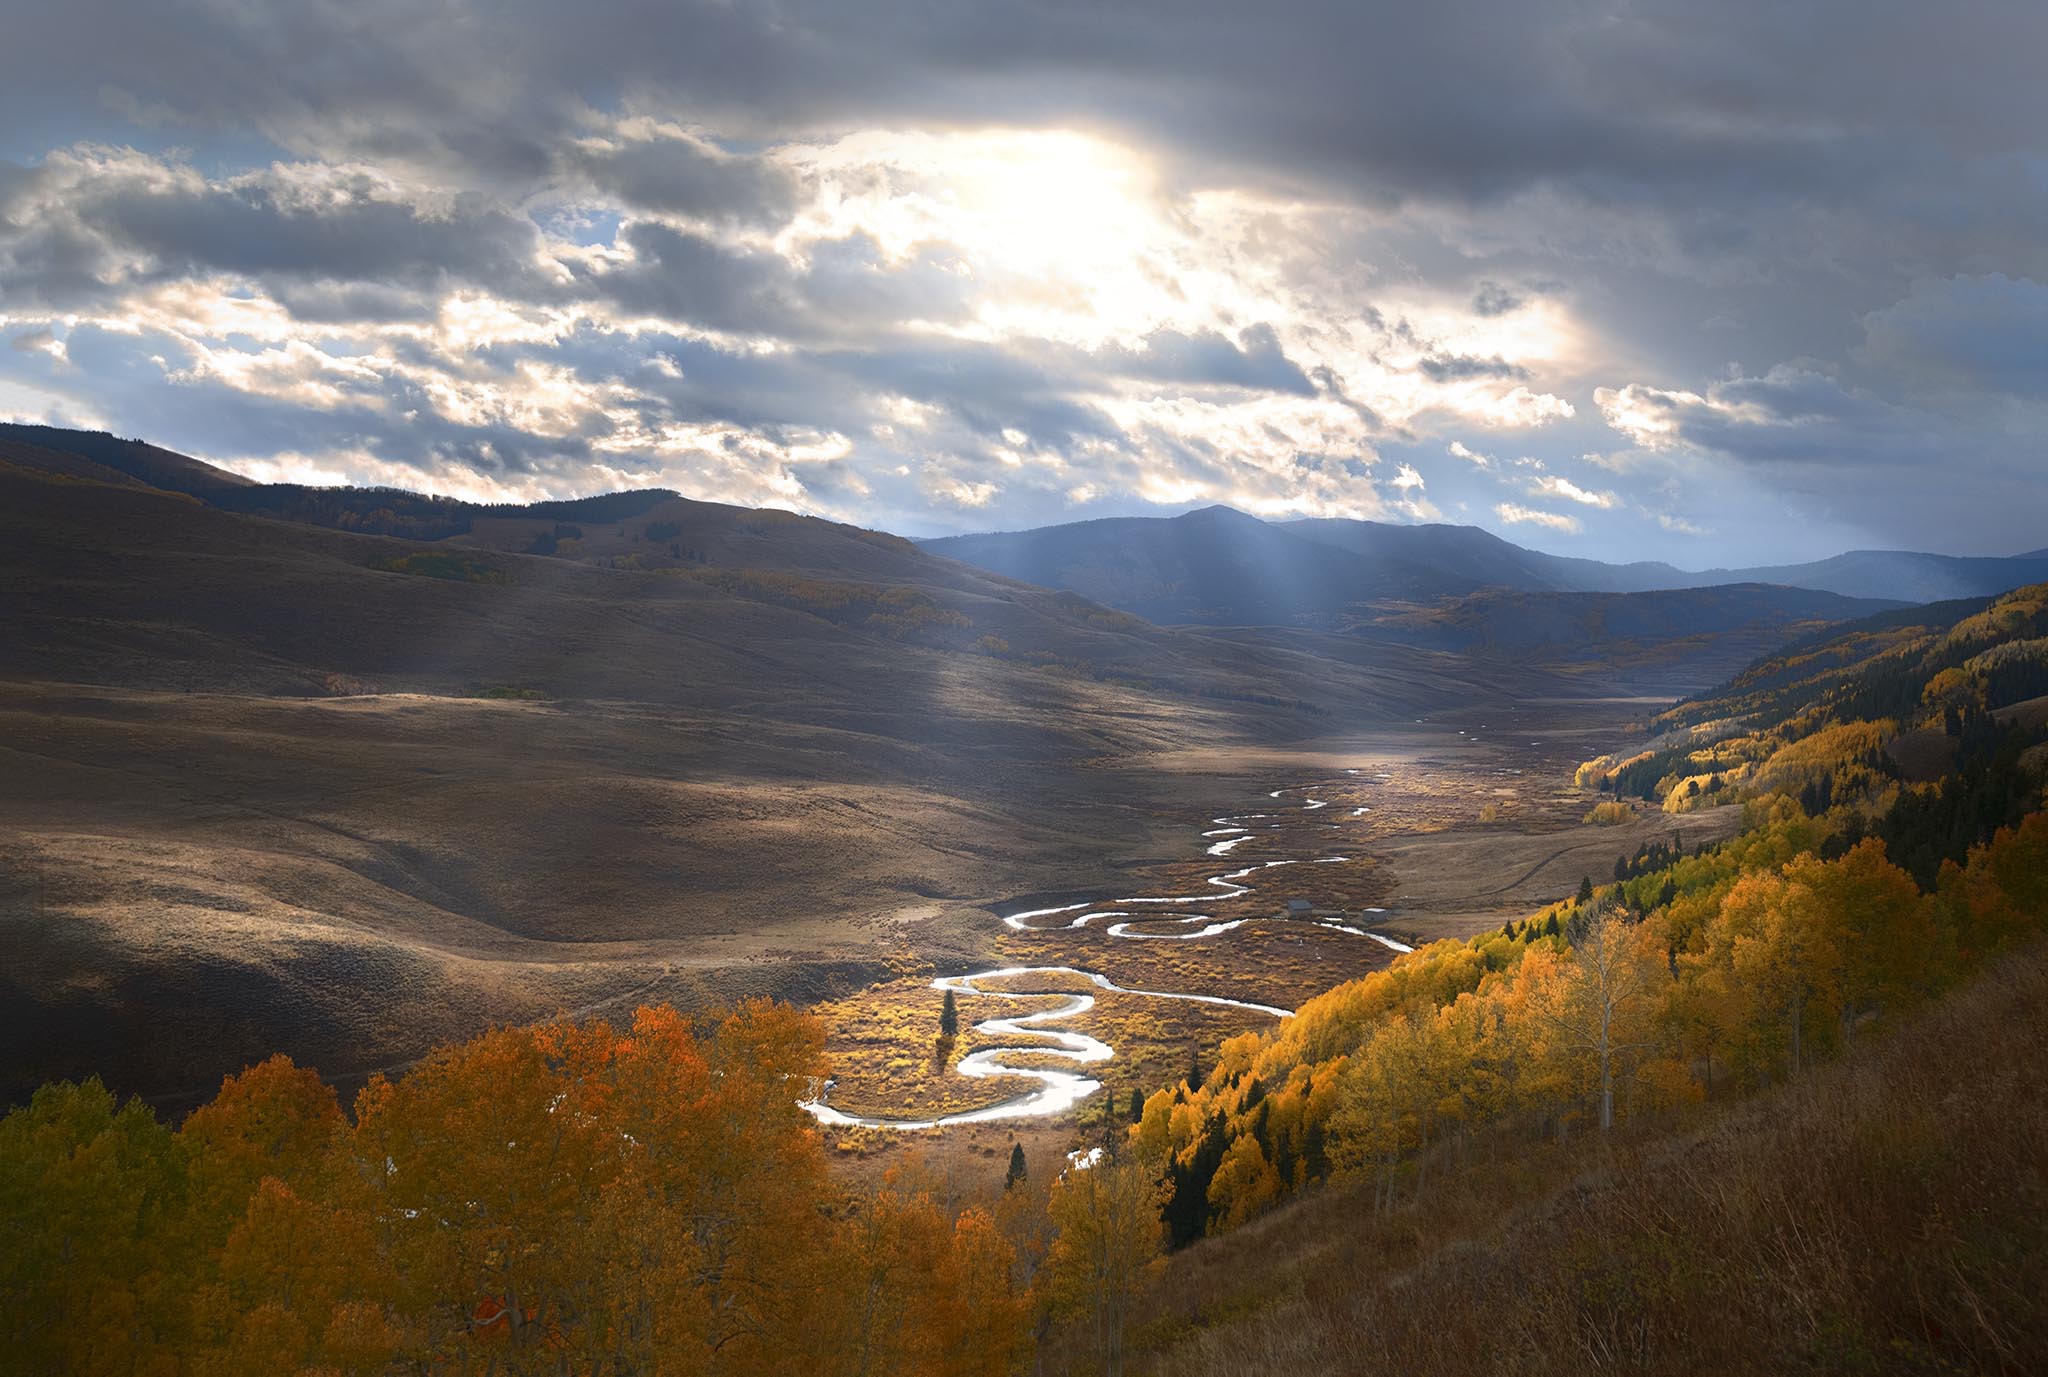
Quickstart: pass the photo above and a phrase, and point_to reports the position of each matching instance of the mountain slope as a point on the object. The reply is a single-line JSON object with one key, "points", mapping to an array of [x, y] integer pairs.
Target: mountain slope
{"points": [[1603, 1116], [144, 463]]}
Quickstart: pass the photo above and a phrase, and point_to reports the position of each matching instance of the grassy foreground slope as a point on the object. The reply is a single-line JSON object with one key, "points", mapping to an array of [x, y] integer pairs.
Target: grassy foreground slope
{"points": [[1884, 1215]]}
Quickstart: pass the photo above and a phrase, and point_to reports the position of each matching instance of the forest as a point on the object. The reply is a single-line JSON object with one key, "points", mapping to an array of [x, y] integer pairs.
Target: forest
{"points": [[551, 1199]]}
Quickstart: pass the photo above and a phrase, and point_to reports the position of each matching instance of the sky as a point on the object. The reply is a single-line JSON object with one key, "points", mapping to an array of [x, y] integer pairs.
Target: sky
{"points": [[1726, 283]]}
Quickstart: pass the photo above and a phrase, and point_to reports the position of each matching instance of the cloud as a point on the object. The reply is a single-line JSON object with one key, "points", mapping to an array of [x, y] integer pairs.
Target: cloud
{"points": [[1550, 485], [721, 246], [1492, 299], [1438, 368], [1516, 515], [41, 340], [1970, 338]]}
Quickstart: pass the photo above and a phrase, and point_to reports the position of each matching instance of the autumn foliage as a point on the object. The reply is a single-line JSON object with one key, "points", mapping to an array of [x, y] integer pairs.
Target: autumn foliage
{"points": [[557, 1199], [1762, 959]]}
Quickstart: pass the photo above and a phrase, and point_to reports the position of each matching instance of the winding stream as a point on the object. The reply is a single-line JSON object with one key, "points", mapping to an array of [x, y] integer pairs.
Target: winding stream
{"points": [[1059, 1089]]}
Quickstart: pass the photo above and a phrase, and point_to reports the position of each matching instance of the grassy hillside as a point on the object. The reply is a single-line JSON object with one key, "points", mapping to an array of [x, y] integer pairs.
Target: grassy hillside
{"points": [[1884, 1215], [111, 458], [1641, 1019], [272, 785]]}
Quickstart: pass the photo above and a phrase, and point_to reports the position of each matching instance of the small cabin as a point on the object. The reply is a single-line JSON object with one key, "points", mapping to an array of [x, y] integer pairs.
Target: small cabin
{"points": [[1299, 908]]}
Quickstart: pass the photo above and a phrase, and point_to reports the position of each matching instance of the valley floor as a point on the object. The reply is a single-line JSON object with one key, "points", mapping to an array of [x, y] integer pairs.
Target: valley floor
{"points": [[191, 881]]}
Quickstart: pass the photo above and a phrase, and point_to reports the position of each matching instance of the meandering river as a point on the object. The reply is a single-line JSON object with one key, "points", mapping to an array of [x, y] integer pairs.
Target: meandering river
{"points": [[1060, 1089]]}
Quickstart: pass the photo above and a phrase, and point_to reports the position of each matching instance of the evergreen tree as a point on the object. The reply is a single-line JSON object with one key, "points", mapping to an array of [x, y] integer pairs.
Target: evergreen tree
{"points": [[1315, 1158], [949, 1018], [1137, 1105], [1585, 889], [1283, 1158], [1187, 1205], [1195, 1068], [1017, 1168]]}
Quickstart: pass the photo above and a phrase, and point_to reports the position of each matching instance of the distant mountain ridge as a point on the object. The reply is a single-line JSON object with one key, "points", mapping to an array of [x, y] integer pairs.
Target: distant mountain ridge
{"points": [[1217, 565], [1429, 589], [1213, 566]]}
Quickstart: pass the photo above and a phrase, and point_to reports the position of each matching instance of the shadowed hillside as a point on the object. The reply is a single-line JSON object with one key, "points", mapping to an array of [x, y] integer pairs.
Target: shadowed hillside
{"points": [[273, 785]]}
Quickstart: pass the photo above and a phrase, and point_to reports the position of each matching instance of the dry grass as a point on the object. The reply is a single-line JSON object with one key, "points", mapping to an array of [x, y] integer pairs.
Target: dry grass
{"points": [[1885, 1215]]}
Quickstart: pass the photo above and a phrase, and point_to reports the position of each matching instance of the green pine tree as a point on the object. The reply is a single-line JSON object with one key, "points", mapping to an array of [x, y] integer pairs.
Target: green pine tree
{"points": [[949, 1018], [1016, 1172]]}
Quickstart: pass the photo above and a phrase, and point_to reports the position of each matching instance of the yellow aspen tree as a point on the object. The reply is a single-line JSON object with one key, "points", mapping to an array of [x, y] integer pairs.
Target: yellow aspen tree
{"points": [[1602, 1006], [1107, 1241]]}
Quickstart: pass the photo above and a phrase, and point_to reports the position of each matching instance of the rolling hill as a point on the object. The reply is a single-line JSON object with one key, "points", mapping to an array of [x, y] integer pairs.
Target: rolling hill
{"points": [[272, 784], [273, 749]]}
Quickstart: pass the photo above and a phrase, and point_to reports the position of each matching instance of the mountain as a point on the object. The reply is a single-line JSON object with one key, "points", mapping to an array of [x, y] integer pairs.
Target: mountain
{"points": [[1450, 588], [1219, 566], [1215, 566]]}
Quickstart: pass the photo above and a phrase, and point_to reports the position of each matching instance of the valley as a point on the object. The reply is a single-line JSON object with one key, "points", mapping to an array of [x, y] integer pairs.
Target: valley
{"points": [[810, 690], [270, 785], [915, 901]]}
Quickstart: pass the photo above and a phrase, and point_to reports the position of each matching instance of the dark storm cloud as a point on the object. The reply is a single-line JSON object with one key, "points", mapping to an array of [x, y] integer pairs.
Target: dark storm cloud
{"points": [[1471, 97]]}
